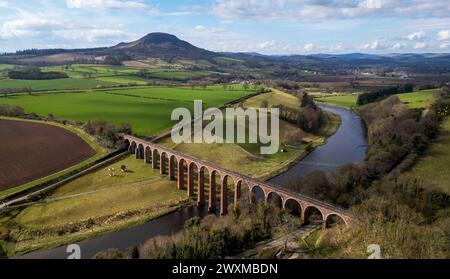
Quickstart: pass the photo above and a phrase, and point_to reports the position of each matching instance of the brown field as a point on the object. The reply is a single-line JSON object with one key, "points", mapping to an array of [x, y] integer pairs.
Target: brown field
{"points": [[29, 151]]}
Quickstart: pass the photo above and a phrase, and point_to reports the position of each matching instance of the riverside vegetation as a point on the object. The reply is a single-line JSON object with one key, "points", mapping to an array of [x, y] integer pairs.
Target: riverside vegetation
{"points": [[408, 218]]}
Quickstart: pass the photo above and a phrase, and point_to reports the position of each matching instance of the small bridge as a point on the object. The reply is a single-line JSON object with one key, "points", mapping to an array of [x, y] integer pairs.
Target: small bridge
{"points": [[175, 164]]}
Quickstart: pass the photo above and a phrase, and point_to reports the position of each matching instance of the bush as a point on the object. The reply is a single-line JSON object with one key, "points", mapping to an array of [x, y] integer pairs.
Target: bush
{"points": [[11, 111]]}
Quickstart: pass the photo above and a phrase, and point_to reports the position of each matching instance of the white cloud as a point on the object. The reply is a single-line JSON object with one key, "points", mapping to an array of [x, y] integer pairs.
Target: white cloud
{"points": [[247, 8], [91, 35], [308, 47], [201, 28], [307, 10], [373, 45], [419, 35], [397, 46], [27, 27], [4, 4], [443, 35], [420, 46], [267, 45], [111, 4], [444, 45]]}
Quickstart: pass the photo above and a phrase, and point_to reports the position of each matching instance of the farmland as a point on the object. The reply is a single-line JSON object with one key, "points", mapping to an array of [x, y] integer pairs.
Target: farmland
{"points": [[55, 84], [419, 99], [45, 148], [147, 110], [93, 205]]}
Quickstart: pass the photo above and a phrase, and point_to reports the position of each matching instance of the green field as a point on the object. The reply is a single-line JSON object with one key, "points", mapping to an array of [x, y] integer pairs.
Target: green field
{"points": [[54, 84], [275, 97], [147, 110], [433, 167], [420, 99], [346, 101], [124, 80], [91, 71], [176, 75]]}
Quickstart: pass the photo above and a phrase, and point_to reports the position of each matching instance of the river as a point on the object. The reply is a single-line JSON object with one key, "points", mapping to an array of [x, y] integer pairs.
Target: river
{"points": [[347, 145]]}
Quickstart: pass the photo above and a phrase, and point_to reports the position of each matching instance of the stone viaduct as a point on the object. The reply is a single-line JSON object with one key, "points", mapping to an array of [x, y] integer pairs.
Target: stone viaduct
{"points": [[175, 165]]}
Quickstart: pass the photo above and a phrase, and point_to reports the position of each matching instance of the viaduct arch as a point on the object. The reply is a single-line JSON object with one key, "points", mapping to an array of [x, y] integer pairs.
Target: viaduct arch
{"points": [[191, 175]]}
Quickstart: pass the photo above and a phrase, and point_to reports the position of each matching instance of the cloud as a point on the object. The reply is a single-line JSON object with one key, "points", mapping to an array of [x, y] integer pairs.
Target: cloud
{"points": [[308, 10], [443, 35], [109, 4], [4, 4], [267, 45], [308, 47], [91, 35], [201, 28], [419, 46], [373, 45], [397, 46], [247, 8], [27, 27], [444, 45], [419, 35]]}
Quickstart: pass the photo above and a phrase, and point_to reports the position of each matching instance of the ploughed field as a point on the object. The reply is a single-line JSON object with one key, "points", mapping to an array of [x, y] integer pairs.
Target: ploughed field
{"points": [[29, 151]]}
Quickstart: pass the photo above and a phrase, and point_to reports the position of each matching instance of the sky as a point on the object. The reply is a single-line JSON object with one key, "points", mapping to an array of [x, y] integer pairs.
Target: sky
{"points": [[264, 26]]}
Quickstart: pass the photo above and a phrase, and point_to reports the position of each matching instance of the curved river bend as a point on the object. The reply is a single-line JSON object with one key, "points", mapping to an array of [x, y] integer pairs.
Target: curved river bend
{"points": [[348, 145]]}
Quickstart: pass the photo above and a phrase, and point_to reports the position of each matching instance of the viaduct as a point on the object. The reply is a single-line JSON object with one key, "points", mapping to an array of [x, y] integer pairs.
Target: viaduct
{"points": [[175, 164]]}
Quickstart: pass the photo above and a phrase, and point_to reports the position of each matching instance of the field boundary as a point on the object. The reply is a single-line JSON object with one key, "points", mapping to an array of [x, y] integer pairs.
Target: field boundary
{"points": [[42, 188]]}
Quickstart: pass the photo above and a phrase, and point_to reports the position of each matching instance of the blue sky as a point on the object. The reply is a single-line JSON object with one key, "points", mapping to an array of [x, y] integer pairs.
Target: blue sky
{"points": [[269, 27]]}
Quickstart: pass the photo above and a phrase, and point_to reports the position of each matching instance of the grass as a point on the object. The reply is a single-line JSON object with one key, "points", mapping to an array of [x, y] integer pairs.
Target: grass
{"points": [[147, 110], [420, 99], [345, 101], [432, 167], [111, 203], [91, 70], [177, 75], [135, 189], [124, 80], [54, 84], [275, 97], [99, 152]]}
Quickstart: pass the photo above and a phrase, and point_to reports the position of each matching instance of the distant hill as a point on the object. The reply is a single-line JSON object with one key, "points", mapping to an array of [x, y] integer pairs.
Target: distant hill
{"points": [[163, 46], [171, 49]]}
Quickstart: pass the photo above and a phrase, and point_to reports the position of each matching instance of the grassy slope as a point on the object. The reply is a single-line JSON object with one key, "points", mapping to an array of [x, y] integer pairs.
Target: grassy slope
{"points": [[433, 167], [275, 97], [148, 116], [419, 99], [100, 151], [127, 199]]}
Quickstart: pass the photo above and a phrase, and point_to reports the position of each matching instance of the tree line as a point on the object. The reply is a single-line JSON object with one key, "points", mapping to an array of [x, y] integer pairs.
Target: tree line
{"points": [[35, 74], [370, 97]]}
